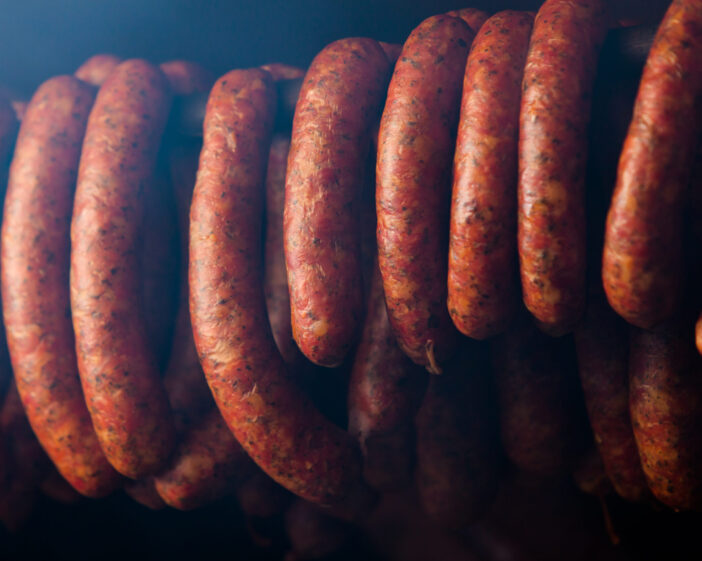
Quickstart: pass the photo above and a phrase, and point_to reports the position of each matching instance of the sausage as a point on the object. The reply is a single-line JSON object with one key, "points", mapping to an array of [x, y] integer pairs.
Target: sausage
{"points": [[281, 71], [415, 143], [274, 422], [392, 51], [187, 77], [642, 267], [340, 98], [97, 68], [457, 442], [473, 17], [35, 286], [665, 399], [261, 497], [275, 279], [206, 466], [602, 349], [482, 269], [534, 374], [118, 370], [312, 533], [554, 117], [590, 476], [143, 491], [384, 394], [58, 489]]}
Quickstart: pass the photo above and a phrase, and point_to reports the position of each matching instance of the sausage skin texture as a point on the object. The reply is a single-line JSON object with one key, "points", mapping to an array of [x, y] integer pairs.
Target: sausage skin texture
{"points": [[118, 369], [533, 375], [385, 391], [642, 267], [554, 118], [275, 278], [483, 290], [415, 144], [457, 444], [473, 17], [274, 422], [339, 101], [666, 412], [35, 286], [97, 68], [207, 465], [601, 343]]}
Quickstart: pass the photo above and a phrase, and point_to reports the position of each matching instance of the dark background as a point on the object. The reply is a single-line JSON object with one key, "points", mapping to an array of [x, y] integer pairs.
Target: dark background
{"points": [[40, 38]]}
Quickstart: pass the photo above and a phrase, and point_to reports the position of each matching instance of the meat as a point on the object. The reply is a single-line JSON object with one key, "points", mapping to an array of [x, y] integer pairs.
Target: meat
{"points": [[415, 143]]}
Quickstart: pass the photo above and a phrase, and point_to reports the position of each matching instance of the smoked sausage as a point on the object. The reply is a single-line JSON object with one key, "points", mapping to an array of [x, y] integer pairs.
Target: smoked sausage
{"points": [[340, 99], [97, 68], [415, 143]]}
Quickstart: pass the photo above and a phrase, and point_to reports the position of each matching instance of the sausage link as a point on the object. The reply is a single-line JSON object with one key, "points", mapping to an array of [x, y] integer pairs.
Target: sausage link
{"points": [[472, 16], [458, 443], [554, 117], [415, 144], [273, 421], [275, 279], [118, 370], [385, 391], [482, 270], [58, 489], [642, 267], [534, 374], [97, 68], [602, 349], [339, 101], [261, 497], [187, 77], [280, 71], [207, 465], [665, 398], [143, 491], [35, 286]]}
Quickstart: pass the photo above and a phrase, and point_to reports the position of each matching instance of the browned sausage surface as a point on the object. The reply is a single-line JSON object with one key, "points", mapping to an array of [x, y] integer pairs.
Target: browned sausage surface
{"points": [[385, 391], [415, 144], [483, 287], [602, 346], [554, 118], [665, 377], [270, 417], [338, 104], [97, 68], [35, 287], [118, 370], [642, 267]]}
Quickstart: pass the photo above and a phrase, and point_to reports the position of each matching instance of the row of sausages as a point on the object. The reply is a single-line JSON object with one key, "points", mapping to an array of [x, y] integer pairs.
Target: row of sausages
{"points": [[87, 266]]}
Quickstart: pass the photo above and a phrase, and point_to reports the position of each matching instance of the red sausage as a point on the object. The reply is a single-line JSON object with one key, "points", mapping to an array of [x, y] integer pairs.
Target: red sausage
{"points": [[280, 71], [275, 279], [415, 144], [118, 369], [665, 397], [35, 289], [187, 77], [482, 270], [97, 68], [339, 101], [473, 17], [642, 267], [270, 417], [554, 117], [534, 374], [602, 348], [385, 390], [458, 443], [143, 491]]}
